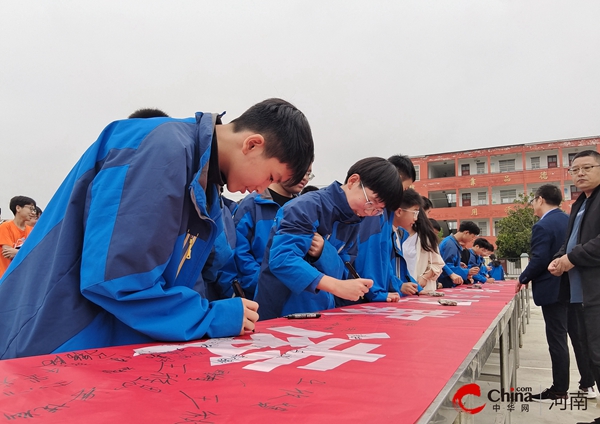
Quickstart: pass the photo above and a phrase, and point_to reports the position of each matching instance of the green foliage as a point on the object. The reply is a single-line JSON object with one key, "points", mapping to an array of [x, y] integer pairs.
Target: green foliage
{"points": [[514, 231]]}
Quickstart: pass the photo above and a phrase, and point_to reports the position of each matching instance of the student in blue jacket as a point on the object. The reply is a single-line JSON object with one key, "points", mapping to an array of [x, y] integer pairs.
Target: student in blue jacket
{"points": [[313, 237], [376, 253], [451, 249], [115, 257], [481, 247], [253, 221]]}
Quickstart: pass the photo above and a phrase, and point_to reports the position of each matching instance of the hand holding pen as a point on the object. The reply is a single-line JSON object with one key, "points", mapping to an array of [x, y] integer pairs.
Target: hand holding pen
{"points": [[366, 282]]}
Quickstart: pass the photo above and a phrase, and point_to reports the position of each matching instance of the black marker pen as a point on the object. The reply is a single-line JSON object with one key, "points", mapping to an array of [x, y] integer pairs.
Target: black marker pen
{"points": [[353, 273], [304, 316]]}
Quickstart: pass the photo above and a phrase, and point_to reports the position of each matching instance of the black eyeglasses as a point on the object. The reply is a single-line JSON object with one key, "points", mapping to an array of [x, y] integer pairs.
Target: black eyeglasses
{"points": [[585, 168]]}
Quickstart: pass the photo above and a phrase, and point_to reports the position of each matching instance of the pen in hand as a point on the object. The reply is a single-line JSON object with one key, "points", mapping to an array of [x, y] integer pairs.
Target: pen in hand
{"points": [[353, 273]]}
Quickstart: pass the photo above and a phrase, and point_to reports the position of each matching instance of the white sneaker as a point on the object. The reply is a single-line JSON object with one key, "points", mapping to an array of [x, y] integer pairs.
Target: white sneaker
{"points": [[589, 392]]}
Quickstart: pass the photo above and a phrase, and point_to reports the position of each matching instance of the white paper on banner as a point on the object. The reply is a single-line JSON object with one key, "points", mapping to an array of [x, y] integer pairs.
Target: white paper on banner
{"points": [[368, 336]]}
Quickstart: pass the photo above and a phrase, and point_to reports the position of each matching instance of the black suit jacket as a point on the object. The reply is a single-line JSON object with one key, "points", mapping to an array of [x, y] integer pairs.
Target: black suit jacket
{"points": [[547, 237]]}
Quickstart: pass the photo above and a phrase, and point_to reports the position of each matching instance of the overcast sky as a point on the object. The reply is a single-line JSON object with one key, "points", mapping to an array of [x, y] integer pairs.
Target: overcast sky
{"points": [[373, 77]]}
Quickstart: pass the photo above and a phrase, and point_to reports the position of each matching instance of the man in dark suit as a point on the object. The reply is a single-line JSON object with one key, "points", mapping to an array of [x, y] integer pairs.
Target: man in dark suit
{"points": [[579, 256], [552, 294]]}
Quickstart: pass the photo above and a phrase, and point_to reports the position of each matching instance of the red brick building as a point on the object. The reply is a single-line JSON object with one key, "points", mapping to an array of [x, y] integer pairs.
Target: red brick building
{"points": [[481, 185]]}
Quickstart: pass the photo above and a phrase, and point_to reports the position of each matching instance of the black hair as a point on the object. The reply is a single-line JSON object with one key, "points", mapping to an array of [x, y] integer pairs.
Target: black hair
{"points": [[148, 113], [381, 177], [427, 234], [469, 226], [591, 153], [550, 193], [411, 198], [494, 261], [38, 211], [483, 243], [427, 204], [436, 225], [308, 189], [286, 131], [405, 167], [20, 201]]}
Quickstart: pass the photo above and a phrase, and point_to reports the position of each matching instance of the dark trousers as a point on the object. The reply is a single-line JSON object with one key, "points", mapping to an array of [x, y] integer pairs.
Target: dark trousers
{"points": [[591, 337], [563, 318]]}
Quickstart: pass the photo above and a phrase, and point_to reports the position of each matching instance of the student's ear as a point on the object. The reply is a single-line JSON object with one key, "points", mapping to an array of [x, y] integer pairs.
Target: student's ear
{"points": [[353, 180], [253, 143]]}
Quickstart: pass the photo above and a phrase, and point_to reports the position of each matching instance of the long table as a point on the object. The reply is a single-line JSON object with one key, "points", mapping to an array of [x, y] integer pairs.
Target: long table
{"points": [[380, 362]]}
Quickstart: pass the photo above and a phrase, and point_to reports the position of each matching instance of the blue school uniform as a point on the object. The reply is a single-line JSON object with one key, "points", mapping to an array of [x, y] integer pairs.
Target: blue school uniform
{"points": [[253, 219], [288, 277], [450, 251], [117, 252]]}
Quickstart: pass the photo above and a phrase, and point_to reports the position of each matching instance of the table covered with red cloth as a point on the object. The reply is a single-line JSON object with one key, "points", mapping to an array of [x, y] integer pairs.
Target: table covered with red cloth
{"points": [[374, 362]]}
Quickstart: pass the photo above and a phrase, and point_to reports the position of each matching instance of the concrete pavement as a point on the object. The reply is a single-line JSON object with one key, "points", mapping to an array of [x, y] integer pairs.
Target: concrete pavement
{"points": [[535, 375]]}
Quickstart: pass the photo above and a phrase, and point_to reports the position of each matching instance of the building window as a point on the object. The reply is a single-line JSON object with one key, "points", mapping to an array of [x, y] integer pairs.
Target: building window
{"points": [[465, 169], [483, 227], [507, 165], [481, 167], [482, 198], [552, 161], [535, 163], [575, 192], [466, 199], [418, 172], [571, 157], [452, 227], [451, 197], [496, 227], [508, 196]]}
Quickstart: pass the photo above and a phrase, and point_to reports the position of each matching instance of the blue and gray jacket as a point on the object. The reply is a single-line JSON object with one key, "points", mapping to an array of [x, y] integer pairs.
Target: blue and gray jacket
{"points": [[477, 260], [400, 267], [450, 251], [253, 220], [118, 250], [288, 277]]}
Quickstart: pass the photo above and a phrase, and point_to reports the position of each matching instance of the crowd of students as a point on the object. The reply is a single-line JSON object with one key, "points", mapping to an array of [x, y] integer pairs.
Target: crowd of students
{"points": [[139, 245], [292, 251]]}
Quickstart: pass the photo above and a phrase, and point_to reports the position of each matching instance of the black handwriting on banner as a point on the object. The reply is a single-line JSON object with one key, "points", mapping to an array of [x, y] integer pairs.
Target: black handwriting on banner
{"points": [[211, 376], [276, 407], [51, 408], [204, 417]]}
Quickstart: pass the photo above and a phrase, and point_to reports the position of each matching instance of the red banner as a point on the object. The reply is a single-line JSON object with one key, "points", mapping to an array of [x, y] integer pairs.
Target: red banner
{"points": [[377, 362]]}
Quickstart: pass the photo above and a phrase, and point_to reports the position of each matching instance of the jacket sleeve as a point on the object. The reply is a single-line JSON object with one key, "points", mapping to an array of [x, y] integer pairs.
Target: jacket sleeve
{"points": [[247, 265], [122, 272], [331, 263], [451, 257], [290, 244], [541, 254]]}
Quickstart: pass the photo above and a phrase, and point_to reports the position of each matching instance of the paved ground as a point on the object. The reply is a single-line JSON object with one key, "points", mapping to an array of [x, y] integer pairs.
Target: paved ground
{"points": [[535, 373]]}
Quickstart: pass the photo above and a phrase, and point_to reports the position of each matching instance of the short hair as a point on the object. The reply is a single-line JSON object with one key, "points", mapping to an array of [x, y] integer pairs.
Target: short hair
{"points": [[380, 176], [38, 211], [286, 131], [411, 198], [470, 227], [550, 193], [483, 243], [591, 153], [427, 204], [148, 113], [20, 201], [436, 225], [405, 167], [308, 189]]}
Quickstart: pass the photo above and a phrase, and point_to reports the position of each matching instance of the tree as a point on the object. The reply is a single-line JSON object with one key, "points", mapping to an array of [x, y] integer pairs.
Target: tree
{"points": [[514, 231]]}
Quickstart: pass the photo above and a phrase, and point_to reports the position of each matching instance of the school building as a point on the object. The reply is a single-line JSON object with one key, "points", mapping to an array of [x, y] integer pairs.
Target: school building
{"points": [[482, 185]]}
